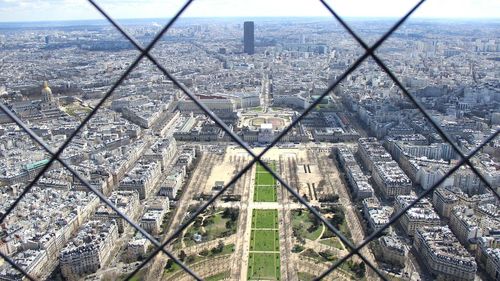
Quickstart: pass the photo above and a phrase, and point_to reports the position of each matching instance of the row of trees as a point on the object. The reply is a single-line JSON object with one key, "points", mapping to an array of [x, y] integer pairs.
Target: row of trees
{"points": [[183, 257]]}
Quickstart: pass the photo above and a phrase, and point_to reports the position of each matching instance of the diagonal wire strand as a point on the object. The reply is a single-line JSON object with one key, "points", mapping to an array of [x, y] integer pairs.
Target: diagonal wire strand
{"points": [[404, 210], [384, 67], [101, 196], [16, 266], [437, 127]]}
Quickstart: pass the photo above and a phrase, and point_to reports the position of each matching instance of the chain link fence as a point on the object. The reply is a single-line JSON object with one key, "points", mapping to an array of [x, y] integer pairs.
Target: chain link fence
{"points": [[161, 247]]}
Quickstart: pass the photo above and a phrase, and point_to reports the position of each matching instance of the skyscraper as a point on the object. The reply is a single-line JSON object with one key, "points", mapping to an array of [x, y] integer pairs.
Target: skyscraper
{"points": [[248, 38]]}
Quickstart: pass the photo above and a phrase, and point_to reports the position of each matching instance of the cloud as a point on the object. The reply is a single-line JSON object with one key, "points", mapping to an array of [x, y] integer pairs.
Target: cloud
{"points": [[36, 10]]}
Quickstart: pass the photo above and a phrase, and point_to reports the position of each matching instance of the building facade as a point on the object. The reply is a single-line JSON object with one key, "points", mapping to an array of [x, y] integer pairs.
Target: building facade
{"points": [[443, 255], [248, 38]]}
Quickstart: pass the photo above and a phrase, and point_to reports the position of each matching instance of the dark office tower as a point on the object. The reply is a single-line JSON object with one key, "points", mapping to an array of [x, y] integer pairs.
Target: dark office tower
{"points": [[248, 38]]}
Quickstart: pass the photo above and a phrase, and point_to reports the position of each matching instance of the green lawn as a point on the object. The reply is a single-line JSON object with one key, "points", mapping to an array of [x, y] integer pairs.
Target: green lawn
{"points": [[217, 277], [264, 237], [343, 228], [310, 253], [264, 178], [214, 226], [303, 276], [137, 277], [355, 270], [302, 222], [172, 267], [265, 194], [264, 266], [261, 168], [338, 221], [265, 219], [258, 109], [265, 185], [333, 241], [218, 227], [264, 240]]}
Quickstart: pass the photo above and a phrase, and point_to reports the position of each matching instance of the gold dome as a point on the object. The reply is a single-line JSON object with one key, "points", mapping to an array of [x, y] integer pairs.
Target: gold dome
{"points": [[46, 92], [46, 87]]}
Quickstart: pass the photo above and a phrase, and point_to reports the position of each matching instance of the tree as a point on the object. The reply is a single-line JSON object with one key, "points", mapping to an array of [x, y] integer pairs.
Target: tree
{"points": [[211, 209], [297, 249], [321, 183], [220, 246], [197, 222], [229, 224], [329, 198], [169, 264], [327, 255], [312, 228], [314, 220], [305, 197], [208, 221], [190, 259], [297, 230], [182, 255], [226, 212], [337, 219], [230, 213], [362, 270], [357, 268]]}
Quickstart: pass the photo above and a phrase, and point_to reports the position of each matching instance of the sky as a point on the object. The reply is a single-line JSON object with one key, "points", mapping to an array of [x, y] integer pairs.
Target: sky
{"points": [[55, 10]]}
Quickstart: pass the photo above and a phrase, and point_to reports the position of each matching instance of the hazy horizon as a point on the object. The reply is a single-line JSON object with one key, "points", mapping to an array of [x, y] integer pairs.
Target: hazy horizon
{"points": [[13, 11], [251, 18]]}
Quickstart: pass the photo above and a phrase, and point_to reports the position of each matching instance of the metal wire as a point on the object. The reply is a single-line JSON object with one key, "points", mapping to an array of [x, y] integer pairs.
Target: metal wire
{"points": [[145, 52], [15, 266]]}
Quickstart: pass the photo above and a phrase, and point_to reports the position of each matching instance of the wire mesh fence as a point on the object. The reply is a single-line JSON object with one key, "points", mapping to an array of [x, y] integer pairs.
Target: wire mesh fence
{"points": [[256, 158]]}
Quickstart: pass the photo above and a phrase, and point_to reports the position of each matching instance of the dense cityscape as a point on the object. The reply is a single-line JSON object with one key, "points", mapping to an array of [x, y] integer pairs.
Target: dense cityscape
{"points": [[362, 155]]}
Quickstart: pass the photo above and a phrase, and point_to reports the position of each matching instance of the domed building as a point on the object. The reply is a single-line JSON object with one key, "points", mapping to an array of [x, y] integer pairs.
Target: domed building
{"points": [[46, 92], [48, 103], [46, 107]]}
